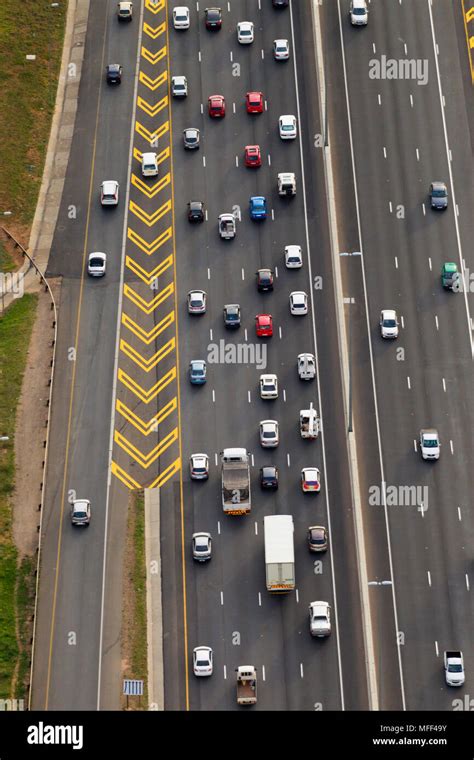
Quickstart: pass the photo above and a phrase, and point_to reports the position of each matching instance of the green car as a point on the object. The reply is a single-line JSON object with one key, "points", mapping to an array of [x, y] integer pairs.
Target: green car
{"points": [[449, 275]]}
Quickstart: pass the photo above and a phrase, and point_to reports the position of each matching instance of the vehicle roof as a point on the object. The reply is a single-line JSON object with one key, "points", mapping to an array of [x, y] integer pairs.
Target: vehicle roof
{"points": [[319, 607], [264, 318], [389, 313], [149, 156]]}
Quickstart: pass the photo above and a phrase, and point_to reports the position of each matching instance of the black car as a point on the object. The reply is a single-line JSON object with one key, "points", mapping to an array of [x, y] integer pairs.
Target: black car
{"points": [[113, 73], [269, 477], [196, 211], [264, 280], [213, 18], [232, 315]]}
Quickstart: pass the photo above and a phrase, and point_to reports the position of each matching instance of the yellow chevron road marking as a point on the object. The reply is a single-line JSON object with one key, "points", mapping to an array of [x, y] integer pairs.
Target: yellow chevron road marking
{"points": [[155, 6], [148, 277], [470, 15], [153, 84], [146, 396], [147, 364], [152, 137], [150, 219], [148, 337], [154, 31], [152, 110], [126, 479], [152, 190], [155, 244], [171, 470], [153, 58], [137, 154], [148, 306], [145, 460], [152, 425]]}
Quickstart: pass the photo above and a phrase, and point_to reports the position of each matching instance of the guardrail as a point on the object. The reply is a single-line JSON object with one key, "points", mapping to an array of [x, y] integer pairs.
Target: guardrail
{"points": [[40, 274]]}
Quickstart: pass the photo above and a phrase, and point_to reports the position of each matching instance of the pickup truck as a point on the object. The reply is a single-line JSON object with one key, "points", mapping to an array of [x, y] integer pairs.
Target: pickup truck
{"points": [[454, 668], [286, 183], [309, 423], [227, 226], [246, 685]]}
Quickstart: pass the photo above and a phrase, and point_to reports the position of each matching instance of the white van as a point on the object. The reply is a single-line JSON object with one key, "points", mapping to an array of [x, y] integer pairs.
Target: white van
{"points": [[149, 165]]}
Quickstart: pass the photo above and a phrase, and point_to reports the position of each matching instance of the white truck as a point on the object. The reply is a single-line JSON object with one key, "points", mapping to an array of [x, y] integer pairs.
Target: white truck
{"points": [[286, 183], [279, 553], [309, 423], [454, 668], [246, 685], [227, 226], [235, 481]]}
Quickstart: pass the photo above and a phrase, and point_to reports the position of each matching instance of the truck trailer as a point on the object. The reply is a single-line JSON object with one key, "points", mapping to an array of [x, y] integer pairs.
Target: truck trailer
{"points": [[279, 553]]}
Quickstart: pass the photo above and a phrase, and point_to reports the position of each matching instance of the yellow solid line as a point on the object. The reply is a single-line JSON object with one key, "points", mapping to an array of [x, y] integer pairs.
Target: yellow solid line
{"points": [[73, 380], [181, 495]]}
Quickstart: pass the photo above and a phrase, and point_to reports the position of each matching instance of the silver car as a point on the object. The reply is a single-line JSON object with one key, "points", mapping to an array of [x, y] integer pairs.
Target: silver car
{"points": [[191, 138], [202, 547]]}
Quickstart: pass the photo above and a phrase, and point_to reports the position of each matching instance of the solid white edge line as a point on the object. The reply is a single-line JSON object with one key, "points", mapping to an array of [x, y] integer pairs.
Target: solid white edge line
{"points": [[321, 83], [369, 337], [117, 344]]}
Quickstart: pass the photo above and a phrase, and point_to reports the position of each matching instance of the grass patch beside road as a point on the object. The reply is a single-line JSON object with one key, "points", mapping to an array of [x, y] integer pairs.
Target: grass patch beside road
{"points": [[15, 332], [134, 621], [27, 97]]}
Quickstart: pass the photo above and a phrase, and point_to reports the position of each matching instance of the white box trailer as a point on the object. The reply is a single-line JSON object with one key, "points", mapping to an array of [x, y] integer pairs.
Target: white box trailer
{"points": [[309, 423], [235, 481], [279, 553]]}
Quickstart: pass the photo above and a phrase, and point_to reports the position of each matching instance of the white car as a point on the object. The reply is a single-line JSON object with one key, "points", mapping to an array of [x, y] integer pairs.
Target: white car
{"points": [[287, 127], [310, 480], [298, 303], [197, 301], [388, 323], [293, 257], [306, 366], [81, 512], [202, 546], [202, 661], [319, 619], [281, 50], [245, 32], [109, 192], [149, 164], [268, 386], [199, 466], [96, 264], [179, 87], [181, 17], [429, 443], [124, 11], [359, 13], [269, 435]]}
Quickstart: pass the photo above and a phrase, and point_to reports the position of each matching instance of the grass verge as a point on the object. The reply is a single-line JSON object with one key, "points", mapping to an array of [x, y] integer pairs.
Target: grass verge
{"points": [[16, 583], [27, 97], [134, 628]]}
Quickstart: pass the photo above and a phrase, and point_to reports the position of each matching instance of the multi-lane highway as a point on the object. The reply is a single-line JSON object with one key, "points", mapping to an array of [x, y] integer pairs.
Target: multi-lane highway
{"points": [[125, 414]]}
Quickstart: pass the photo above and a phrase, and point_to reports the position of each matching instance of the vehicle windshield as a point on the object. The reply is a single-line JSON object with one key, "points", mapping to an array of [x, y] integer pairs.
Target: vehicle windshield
{"points": [[359, 11], [439, 193], [80, 515], [455, 668], [430, 443], [389, 323]]}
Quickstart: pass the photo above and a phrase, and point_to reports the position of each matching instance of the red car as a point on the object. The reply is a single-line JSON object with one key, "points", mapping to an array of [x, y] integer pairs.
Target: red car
{"points": [[264, 325], [254, 102], [252, 155], [216, 106]]}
